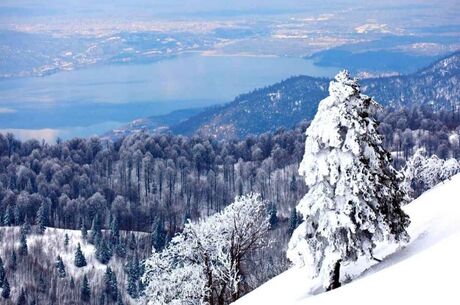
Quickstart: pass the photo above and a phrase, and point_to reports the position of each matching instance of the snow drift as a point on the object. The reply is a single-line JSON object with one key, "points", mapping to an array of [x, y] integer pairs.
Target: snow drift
{"points": [[425, 271]]}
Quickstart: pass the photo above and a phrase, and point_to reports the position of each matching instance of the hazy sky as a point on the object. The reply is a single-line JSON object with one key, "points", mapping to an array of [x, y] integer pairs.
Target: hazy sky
{"points": [[186, 8]]}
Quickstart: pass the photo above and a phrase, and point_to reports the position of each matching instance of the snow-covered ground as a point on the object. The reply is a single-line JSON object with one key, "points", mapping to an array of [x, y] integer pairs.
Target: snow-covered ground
{"points": [[425, 271], [45, 248]]}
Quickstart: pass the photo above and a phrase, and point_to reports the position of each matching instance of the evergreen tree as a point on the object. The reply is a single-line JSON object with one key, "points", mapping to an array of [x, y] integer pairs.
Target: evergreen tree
{"points": [[120, 249], [103, 252], [72, 283], [119, 299], [8, 217], [6, 289], [66, 240], [96, 228], [85, 292], [141, 287], [2, 273], [134, 274], [13, 261], [23, 249], [17, 215], [293, 221], [114, 231], [83, 230], [80, 260], [293, 184], [159, 236], [42, 219], [26, 227], [114, 289], [22, 300], [111, 285], [272, 218], [41, 286], [354, 199], [60, 267], [102, 299], [132, 287], [132, 242]]}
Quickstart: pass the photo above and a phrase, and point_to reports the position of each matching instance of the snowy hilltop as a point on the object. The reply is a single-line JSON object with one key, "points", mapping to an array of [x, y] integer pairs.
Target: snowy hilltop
{"points": [[423, 272]]}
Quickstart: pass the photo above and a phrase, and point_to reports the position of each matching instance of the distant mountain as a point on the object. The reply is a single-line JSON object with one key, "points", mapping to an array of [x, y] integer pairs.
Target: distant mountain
{"points": [[287, 103]]}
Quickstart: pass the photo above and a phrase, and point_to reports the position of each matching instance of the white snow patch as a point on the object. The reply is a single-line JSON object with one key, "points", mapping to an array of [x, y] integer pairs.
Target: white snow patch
{"points": [[424, 272]]}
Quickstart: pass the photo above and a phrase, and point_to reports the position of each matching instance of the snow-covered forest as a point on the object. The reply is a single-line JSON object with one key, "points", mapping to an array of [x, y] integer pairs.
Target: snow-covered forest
{"points": [[119, 200]]}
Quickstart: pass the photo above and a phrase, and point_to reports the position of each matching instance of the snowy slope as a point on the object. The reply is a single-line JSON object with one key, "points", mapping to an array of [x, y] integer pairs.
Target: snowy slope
{"points": [[424, 272], [42, 252]]}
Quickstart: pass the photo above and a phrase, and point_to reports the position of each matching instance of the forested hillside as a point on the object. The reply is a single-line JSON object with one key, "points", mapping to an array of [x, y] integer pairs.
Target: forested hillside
{"points": [[287, 103], [153, 184]]}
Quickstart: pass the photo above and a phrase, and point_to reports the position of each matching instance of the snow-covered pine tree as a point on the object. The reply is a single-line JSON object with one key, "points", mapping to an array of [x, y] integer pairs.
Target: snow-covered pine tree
{"points": [[6, 289], [159, 235], [22, 300], [103, 251], [26, 227], [120, 249], [114, 231], [272, 216], [293, 221], [83, 230], [8, 217], [85, 291], [42, 219], [134, 273], [354, 198], [111, 285], [60, 267], [23, 249], [80, 260], [96, 228], [132, 242], [293, 184], [131, 288], [102, 299], [120, 299], [13, 261], [2, 273], [66, 240]]}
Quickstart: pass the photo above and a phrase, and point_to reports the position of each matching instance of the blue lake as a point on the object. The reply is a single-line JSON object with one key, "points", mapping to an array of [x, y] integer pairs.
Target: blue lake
{"points": [[93, 100]]}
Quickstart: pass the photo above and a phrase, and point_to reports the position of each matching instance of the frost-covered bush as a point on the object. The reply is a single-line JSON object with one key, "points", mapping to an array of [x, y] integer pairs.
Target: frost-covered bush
{"points": [[204, 263], [422, 173], [354, 199]]}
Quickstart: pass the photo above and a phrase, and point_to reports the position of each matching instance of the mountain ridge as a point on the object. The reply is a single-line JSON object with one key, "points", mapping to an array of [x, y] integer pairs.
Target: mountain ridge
{"points": [[288, 102]]}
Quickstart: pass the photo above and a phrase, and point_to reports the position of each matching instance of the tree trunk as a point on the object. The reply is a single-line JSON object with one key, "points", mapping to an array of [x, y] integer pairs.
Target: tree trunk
{"points": [[334, 277]]}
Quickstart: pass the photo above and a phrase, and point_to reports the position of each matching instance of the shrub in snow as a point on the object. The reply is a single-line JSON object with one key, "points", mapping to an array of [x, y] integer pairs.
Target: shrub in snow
{"points": [[354, 199], [204, 264], [422, 173]]}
